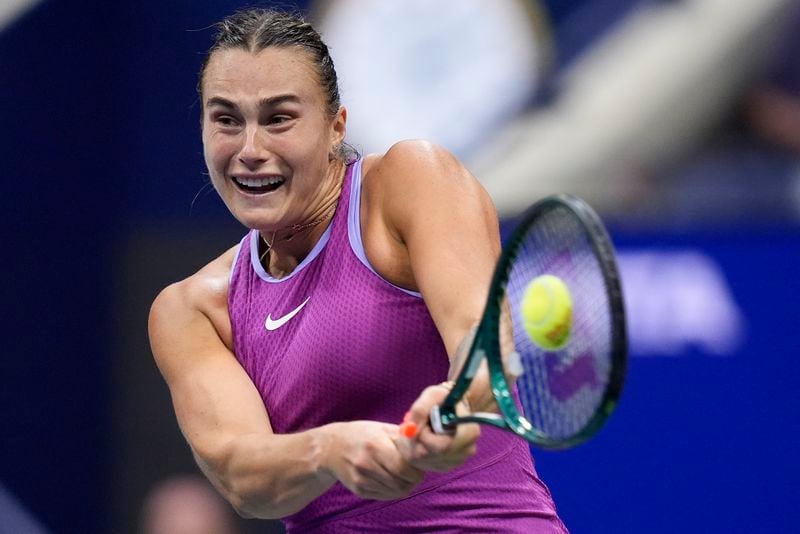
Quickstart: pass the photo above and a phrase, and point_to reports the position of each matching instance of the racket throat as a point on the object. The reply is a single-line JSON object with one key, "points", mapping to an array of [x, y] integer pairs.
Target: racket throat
{"points": [[445, 421]]}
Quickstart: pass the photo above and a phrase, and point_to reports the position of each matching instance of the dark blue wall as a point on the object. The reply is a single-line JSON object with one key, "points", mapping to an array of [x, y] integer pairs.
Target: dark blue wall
{"points": [[60, 207], [100, 137], [99, 134], [702, 442]]}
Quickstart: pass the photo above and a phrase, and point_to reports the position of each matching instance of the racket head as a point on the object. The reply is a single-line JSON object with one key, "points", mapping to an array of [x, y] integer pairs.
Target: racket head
{"points": [[564, 396]]}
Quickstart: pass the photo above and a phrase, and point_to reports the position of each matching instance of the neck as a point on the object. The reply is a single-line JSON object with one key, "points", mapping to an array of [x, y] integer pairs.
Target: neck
{"points": [[281, 251]]}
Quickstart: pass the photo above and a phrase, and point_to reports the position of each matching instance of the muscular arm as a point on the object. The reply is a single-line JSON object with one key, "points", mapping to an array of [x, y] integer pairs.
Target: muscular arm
{"points": [[223, 418], [445, 231]]}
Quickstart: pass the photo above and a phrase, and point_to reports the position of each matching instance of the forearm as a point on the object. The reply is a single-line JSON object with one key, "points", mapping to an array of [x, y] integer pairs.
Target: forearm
{"points": [[479, 395], [269, 476]]}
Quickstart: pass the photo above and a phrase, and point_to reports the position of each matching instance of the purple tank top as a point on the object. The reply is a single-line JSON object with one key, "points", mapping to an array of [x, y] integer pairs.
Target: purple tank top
{"points": [[334, 341]]}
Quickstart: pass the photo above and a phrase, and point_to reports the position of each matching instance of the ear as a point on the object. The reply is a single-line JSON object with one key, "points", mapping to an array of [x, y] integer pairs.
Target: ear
{"points": [[339, 127]]}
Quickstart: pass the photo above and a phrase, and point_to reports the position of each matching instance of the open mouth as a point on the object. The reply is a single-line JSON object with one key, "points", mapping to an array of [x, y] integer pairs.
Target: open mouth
{"points": [[258, 186]]}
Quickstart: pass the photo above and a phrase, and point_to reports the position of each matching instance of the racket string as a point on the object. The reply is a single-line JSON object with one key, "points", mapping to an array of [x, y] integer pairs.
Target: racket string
{"points": [[561, 390]]}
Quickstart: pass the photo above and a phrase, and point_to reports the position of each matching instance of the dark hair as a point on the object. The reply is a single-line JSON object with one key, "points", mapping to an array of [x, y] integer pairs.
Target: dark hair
{"points": [[257, 29]]}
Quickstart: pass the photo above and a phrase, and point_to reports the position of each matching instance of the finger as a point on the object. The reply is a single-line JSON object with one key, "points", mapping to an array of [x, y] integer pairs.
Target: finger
{"points": [[461, 442], [453, 448], [417, 416], [412, 451], [378, 467], [379, 481], [408, 428], [437, 452], [393, 461], [466, 434]]}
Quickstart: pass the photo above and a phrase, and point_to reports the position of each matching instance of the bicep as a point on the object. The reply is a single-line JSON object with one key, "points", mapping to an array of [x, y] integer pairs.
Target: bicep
{"points": [[213, 396]]}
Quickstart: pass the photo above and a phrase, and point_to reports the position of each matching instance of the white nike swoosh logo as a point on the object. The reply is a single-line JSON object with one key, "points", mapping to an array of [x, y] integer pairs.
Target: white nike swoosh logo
{"points": [[273, 324]]}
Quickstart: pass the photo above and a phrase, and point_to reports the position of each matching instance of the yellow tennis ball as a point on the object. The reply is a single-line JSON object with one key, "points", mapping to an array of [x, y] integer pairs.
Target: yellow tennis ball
{"points": [[547, 312]]}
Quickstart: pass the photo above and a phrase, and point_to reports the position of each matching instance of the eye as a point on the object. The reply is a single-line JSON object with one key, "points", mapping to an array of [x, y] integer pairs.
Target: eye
{"points": [[225, 120], [279, 119]]}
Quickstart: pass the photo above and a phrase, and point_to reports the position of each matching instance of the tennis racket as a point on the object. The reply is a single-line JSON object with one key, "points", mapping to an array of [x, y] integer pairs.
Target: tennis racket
{"points": [[562, 397]]}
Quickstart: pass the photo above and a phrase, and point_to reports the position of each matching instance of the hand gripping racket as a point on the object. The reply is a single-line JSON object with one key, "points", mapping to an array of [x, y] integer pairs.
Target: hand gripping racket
{"points": [[562, 396]]}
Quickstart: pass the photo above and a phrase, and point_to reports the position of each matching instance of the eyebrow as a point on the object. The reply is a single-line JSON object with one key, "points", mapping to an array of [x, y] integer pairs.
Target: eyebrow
{"points": [[264, 102]]}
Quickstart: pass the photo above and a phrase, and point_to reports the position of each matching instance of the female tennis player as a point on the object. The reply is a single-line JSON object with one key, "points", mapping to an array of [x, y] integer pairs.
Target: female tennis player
{"points": [[292, 356]]}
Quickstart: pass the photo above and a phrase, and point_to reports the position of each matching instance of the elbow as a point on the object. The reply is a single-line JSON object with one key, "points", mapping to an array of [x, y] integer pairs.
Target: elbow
{"points": [[238, 505], [245, 501], [254, 491], [251, 504], [248, 507], [252, 494], [235, 485], [247, 498]]}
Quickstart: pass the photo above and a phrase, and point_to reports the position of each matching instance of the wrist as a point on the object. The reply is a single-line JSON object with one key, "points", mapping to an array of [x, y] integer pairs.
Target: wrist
{"points": [[324, 447]]}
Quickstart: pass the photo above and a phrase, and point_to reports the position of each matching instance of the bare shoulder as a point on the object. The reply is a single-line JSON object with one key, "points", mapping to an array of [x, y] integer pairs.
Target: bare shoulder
{"points": [[203, 294], [414, 176], [412, 162], [416, 197]]}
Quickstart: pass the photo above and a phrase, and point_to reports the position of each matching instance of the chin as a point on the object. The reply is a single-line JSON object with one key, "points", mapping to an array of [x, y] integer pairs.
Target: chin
{"points": [[254, 212], [258, 219]]}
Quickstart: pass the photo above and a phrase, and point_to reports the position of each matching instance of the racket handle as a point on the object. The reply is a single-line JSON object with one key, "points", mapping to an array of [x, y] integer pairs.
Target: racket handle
{"points": [[409, 429], [436, 422]]}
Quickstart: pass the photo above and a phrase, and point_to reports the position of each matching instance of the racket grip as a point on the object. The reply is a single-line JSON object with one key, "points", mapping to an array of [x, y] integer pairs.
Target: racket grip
{"points": [[436, 422]]}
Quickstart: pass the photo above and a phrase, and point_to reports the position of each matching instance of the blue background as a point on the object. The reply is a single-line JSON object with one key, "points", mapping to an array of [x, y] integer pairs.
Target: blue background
{"points": [[701, 443], [100, 143]]}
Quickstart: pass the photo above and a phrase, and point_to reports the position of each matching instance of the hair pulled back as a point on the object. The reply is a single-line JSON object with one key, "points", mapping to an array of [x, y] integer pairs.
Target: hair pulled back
{"points": [[256, 29]]}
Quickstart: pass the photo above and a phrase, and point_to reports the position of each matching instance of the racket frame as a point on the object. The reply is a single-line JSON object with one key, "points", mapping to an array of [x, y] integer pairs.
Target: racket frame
{"points": [[486, 343]]}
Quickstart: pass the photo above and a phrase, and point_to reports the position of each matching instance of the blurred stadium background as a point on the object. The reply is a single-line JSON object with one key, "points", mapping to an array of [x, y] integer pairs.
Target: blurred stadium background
{"points": [[678, 120]]}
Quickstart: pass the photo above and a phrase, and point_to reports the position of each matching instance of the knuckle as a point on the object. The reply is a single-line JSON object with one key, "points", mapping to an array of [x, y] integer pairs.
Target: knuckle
{"points": [[361, 464], [361, 487], [412, 476], [363, 493], [439, 447], [419, 451], [419, 408], [427, 394]]}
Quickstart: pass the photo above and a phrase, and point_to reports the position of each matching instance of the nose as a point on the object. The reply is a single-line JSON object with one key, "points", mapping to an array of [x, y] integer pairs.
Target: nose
{"points": [[253, 153]]}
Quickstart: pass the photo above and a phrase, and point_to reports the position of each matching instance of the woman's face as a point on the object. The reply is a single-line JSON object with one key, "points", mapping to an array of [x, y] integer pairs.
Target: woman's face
{"points": [[267, 135]]}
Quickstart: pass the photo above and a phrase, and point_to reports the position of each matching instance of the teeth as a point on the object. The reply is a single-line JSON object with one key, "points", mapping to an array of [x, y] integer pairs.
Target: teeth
{"points": [[259, 182]]}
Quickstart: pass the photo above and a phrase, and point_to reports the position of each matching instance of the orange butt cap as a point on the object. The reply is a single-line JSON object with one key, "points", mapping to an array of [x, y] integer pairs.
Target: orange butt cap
{"points": [[408, 429]]}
